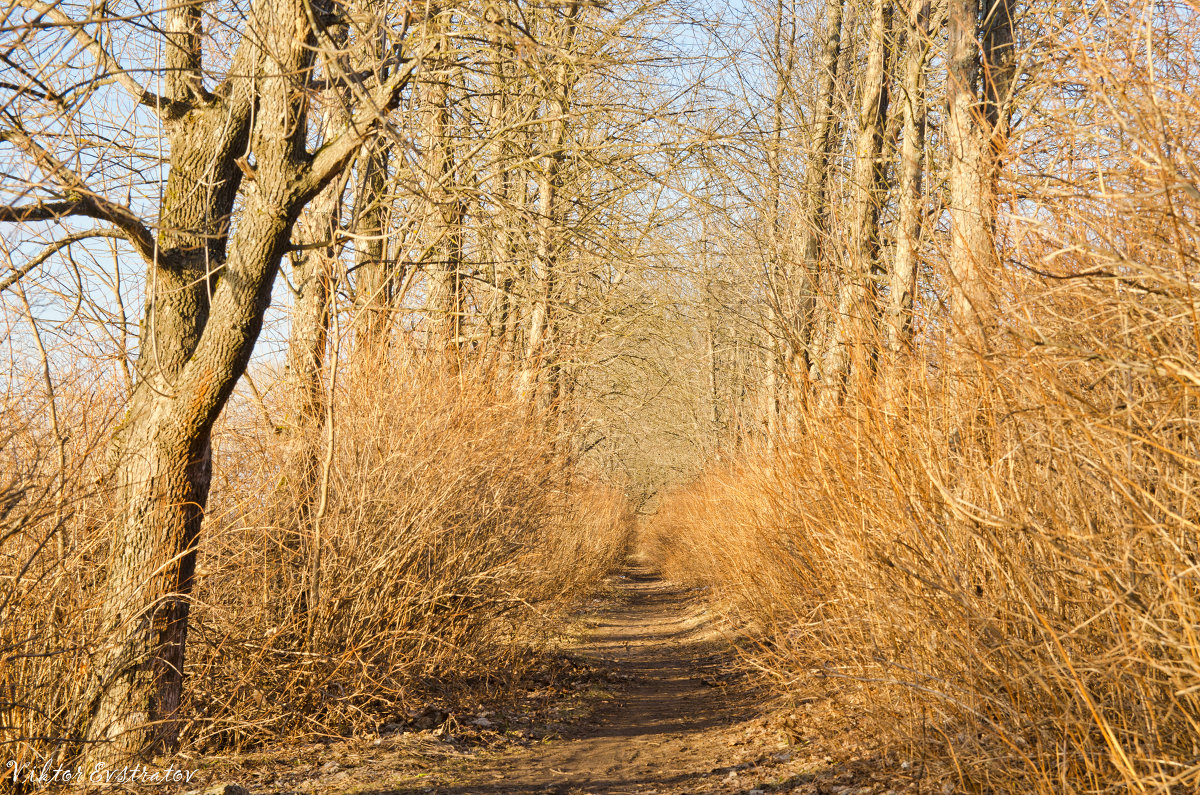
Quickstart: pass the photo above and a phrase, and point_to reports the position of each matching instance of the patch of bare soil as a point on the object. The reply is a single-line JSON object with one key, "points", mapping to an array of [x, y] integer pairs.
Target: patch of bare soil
{"points": [[650, 702]]}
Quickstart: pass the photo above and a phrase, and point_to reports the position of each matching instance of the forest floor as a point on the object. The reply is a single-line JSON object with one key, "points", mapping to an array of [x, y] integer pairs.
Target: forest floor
{"points": [[649, 700]]}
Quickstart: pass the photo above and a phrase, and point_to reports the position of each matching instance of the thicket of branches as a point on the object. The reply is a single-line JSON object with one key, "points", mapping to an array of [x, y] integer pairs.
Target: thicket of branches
{"points": [[974, 533], [313, 307]]}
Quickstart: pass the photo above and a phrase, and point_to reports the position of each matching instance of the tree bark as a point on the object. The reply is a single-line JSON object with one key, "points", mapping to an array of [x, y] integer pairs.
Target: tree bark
{"points": [[500, 179], [195, 350], [374, 276], [445, 300], [912, 151], [313, 272], [782, 292], [545, 262], [978, 84], [816, 189], [855, 327], [163, 470]]}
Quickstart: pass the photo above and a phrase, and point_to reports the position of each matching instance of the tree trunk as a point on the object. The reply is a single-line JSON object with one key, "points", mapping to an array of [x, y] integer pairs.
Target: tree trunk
{"points": [[313, 272], [374, 277], [912, 151], [816, 189], [713, 397], [781, 291], [976, 129], [193, 353], [500, 188], [445, 302], [162, 470], [855, 328], [545, 264]]}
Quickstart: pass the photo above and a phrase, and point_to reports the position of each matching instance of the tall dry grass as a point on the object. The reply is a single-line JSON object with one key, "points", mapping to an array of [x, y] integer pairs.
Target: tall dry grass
{"points": [[995, 557], [52, 520], [452, 536], [1020, 602]]}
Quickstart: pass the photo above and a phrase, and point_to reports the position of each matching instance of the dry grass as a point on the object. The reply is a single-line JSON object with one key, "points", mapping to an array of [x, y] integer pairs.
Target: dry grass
{"points": [[51, 539], [453, 535], [996, 557], [1023, 590], [450, 530]]}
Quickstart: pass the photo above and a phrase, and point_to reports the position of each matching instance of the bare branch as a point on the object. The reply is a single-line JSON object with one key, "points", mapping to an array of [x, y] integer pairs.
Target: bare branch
{"points": [[80, 199], [130, 225], [55, 247], [166, 107], [333, 157]]}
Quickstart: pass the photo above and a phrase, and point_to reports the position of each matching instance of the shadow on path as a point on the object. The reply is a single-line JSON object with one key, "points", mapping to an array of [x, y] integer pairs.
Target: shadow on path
{"points": [[654, 733]]}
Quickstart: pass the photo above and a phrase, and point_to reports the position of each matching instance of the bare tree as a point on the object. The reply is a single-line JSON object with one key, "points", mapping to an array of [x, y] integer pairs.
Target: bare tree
{"points": [[443, 207], [816, 188], [786, 347], [557, 99], [239, 144], [980, 68], [854, 327], [910, 188]]}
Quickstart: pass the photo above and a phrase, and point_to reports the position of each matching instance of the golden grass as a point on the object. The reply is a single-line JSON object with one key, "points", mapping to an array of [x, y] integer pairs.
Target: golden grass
{"points": [[995, 555], [453, 535], [1023, 589]]}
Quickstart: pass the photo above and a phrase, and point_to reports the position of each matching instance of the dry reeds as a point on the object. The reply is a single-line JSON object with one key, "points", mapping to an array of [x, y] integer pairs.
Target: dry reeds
{"points": [[995, 554], [450, 536]]}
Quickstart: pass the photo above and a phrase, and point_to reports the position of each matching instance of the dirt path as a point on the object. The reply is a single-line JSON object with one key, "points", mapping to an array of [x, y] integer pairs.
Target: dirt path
{"points": [[666, 727], [671, 718], [658, 709]]}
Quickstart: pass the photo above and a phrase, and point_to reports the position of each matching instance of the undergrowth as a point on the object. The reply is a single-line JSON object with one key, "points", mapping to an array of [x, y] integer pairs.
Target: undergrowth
{"points": [[423, 550], [989, 555]]}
